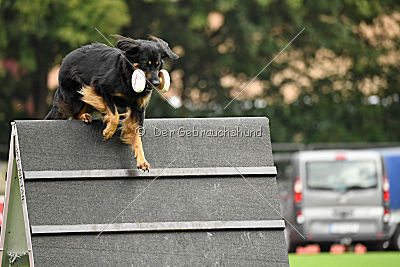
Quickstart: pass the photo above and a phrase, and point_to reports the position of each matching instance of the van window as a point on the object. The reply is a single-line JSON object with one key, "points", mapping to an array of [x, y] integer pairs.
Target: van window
{"points": [[341, 175]]}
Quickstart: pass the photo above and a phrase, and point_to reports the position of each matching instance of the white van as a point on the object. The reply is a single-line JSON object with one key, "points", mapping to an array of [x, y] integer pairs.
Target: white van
{"points": [[338, 196]]}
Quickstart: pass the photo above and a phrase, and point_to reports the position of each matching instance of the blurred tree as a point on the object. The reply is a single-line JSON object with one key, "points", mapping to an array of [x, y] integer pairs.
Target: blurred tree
{"points": [[38, 34], [338, 81]]}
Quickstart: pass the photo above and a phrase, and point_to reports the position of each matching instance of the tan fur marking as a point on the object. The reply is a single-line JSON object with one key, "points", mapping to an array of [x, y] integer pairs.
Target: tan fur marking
{"points": [[119, 94], [112, 123], [143, 101], [85, 117], [90, 97], [81, 112], [131, 135]]}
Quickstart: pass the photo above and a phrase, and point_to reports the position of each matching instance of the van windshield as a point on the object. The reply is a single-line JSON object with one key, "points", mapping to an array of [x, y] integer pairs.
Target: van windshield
{"points": [[341, 175]]}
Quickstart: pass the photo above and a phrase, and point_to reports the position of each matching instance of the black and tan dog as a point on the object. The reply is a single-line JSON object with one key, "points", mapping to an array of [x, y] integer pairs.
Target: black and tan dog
{"points": [[98, 76]]}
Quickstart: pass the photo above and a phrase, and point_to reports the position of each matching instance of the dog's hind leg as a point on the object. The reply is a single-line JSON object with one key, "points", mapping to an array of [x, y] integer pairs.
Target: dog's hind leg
{"points": [[111, 117], [84, 116], [131, 134]]}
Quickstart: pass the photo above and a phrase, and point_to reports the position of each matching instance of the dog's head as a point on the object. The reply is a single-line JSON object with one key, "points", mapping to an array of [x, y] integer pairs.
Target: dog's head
{"points": [[146, 55]]}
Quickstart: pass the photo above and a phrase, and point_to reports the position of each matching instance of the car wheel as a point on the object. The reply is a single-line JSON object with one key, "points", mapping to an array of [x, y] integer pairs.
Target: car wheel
{"points": [[291, 247], [396, 239]]}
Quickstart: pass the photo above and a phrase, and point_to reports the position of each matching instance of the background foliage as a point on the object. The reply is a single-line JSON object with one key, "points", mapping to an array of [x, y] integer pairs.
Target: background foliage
{"points": [[338, 81]]}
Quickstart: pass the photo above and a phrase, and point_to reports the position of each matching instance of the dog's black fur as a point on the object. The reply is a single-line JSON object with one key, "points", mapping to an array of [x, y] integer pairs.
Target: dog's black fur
{"points": [[109, 73]]}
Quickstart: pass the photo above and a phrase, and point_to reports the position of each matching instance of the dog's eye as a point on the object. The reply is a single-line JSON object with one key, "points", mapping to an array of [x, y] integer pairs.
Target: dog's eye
{"points": [[157, 63], [149, 62]]}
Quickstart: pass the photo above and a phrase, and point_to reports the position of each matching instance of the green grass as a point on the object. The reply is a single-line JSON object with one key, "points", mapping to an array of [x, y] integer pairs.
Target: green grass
{"points": [[385, 259]]}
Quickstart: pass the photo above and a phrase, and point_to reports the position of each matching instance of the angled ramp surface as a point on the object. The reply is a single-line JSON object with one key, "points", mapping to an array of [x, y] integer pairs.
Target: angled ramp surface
{"points": [[86, 204]]}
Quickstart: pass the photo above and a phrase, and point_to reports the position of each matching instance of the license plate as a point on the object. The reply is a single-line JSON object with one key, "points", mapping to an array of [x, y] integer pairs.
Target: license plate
{"points": [[344, 228]]}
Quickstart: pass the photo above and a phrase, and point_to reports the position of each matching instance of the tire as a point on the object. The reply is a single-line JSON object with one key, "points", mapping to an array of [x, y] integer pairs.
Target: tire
{"points": [[325, 246], [291, 247], [396, 239], [374, 245]]}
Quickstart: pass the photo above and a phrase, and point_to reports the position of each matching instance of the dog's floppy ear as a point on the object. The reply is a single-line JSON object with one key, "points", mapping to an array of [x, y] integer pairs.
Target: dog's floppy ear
{"points": [[130, 46], [167, 52]]}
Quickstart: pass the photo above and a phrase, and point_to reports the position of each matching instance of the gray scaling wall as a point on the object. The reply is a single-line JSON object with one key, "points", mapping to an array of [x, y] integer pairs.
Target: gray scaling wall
{"points": [[187, 143]]}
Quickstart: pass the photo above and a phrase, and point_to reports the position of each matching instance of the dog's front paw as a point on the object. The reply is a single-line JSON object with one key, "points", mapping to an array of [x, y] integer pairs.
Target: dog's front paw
{"points": [[109, 131], [142, 164], [86, 118], [112, 125]]}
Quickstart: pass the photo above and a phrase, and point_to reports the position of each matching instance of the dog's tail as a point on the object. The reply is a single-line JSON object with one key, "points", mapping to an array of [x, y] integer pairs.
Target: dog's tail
{"points": [[52, 114], [54, 111], [60, 109]]}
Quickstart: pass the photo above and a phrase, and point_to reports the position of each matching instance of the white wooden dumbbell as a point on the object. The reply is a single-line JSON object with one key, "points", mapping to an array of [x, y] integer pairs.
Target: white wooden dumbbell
{"points": [[138, 81], [165, 81]]}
